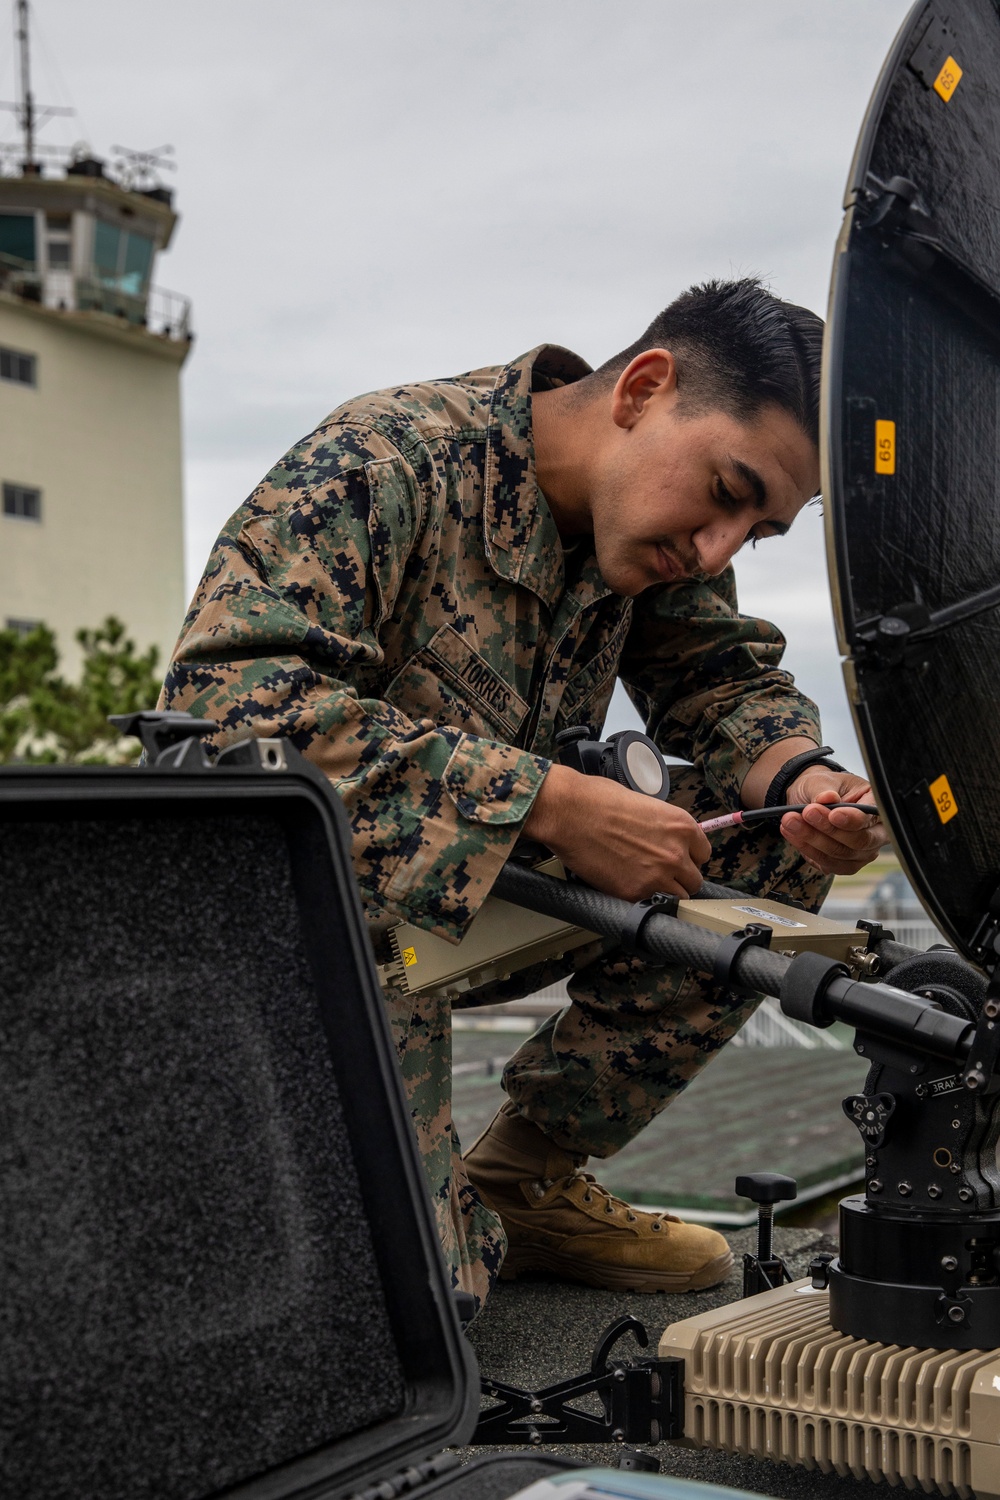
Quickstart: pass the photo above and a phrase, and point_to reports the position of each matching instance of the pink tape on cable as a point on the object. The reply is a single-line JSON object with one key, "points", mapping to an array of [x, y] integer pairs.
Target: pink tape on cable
{"points": [[731, 820]]}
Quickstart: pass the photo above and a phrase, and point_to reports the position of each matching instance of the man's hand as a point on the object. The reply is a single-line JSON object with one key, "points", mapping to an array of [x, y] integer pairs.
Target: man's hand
{"points": [[615, 839], [838, 841]]}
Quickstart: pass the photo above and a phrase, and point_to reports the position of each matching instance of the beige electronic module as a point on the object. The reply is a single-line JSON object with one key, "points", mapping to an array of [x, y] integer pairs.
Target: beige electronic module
{"points": [[504, 938], [793, 931], [769, 1377], [501, 939]]}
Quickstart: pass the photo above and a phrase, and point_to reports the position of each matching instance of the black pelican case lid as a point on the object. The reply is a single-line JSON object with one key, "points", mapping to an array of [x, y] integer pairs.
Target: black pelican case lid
{"points": [[221, 1270], [911, 453]]}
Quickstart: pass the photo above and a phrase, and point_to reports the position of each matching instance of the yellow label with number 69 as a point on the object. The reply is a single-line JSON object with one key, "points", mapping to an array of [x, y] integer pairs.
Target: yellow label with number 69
{"points": [[943, 798], [885, 447], [948, 79]]}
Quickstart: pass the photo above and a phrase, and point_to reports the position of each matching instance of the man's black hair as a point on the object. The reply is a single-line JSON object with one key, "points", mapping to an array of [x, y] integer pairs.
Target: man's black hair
{"points": [[737, 347]]}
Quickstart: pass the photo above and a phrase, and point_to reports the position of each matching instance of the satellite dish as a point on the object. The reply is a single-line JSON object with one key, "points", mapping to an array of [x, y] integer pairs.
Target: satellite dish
{"points": [[911, 453]]}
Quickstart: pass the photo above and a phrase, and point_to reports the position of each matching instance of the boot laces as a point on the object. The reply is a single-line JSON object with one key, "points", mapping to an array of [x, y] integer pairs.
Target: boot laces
{"points": [[616, 1207]]}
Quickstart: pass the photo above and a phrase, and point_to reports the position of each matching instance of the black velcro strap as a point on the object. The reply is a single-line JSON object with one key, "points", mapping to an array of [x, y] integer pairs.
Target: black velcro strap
{"points": [[753, 935], [804, 985], [775, 794], [635, 919]]}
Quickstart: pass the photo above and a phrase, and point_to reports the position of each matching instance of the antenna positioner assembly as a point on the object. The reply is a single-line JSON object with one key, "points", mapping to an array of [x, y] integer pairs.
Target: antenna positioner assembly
{"points": [[628, 757]]}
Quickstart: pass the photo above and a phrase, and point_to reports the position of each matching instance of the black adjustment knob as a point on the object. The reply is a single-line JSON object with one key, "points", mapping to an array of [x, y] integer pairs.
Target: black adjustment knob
{"points": [[766, 1187], [576, 749], [634, 1458], [572, 736]]}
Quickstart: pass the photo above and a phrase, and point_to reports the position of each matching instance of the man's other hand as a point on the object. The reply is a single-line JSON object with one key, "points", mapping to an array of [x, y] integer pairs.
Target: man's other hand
{"points": [[838, 841], [615, 839]]}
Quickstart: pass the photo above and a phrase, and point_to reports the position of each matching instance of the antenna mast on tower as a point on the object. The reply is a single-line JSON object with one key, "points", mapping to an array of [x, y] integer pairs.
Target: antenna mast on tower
{"points": [[25, 99], [29, 115]]}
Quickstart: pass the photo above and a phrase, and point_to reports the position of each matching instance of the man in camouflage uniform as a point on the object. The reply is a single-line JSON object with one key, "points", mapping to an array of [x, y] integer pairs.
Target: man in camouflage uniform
{"points": [[432, 585]]}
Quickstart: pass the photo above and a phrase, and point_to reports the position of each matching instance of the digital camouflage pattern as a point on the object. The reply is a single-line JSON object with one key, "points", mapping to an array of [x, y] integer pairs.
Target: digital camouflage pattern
{"points": [[394, 597], [593, 1075]]}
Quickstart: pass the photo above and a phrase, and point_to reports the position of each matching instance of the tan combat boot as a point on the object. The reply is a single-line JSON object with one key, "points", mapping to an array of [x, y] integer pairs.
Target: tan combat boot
{"points": [[557, 1218]]}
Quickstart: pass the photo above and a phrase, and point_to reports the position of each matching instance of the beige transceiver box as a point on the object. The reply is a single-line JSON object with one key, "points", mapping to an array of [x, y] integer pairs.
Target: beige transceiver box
{"points": [[793, 931], [500, 939]]}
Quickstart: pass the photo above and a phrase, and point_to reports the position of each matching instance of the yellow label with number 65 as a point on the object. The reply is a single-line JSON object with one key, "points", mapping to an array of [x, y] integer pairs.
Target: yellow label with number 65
{"points": [[943, 798], [885, 447], [948, 79]]}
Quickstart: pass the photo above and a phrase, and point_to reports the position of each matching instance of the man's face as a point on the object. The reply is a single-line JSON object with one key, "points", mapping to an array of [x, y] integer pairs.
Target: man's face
{"points": [[678, 494]]}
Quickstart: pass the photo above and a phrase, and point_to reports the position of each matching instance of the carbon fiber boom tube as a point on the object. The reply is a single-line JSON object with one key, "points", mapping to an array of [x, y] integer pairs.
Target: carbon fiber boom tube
{"points": [[877, 1010]]}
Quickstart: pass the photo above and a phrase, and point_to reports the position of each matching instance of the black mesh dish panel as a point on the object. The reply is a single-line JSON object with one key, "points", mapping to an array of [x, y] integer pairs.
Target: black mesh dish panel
{"points": [[912, 486], [189, 1286]]}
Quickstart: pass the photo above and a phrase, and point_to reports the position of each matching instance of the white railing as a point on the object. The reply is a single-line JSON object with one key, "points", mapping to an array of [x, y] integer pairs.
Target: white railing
{"points": [[156, 309], [770, 1027], [915, 932]]}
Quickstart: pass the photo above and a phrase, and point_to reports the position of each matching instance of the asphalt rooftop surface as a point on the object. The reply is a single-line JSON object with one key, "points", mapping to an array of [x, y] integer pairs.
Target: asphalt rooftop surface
{"points": [[755, 1109], [534, 1332]]}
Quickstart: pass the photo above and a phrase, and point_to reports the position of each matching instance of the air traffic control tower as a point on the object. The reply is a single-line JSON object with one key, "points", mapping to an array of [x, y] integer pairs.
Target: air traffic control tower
{"points": [[91, 351]]}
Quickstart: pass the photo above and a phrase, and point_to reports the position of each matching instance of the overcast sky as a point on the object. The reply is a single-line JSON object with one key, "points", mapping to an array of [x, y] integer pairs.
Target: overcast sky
{"points": [[373, 191]]}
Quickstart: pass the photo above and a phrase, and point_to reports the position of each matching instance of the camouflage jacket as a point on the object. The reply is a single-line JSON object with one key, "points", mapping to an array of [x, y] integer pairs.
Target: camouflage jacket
{"points": [[394, 597]]}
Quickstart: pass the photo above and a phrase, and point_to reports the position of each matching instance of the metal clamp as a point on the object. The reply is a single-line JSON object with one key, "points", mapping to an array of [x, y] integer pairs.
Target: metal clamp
{"points": [[635, 920], [753, 935], [169, 736], [983, 1062]]}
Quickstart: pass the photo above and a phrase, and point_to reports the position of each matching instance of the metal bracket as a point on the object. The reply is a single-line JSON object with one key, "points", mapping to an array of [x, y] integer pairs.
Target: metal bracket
{"points": [[895, 204], [896, 638], [876, 932], [986, 941], [876, 1050], [763, 1275], [635, 921], [898, 219], [643, 1402], [169, 737], [979, 1073], [753, 935]]}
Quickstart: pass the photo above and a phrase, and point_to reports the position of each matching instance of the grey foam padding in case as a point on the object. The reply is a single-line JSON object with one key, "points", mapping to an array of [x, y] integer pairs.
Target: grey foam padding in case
{"points": [[190, 1294]]}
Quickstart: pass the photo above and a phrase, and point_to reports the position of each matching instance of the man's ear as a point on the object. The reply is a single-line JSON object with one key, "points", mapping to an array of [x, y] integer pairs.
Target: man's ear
{"points": [[652, 376]]}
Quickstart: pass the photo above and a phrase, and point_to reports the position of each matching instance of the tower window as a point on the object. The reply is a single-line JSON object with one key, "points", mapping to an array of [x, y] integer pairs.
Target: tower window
{"points": [[22, 627], [22, 501], [17, 240], [21, 368], [122, 259]]}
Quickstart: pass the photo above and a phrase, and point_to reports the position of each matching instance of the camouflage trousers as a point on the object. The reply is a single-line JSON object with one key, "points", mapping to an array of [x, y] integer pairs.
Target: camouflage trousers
{"points": [[631, 1039]]}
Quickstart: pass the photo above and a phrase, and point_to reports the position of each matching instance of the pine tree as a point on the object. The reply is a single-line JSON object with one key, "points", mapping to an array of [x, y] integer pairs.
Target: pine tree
{"points": [[46, 720]]}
